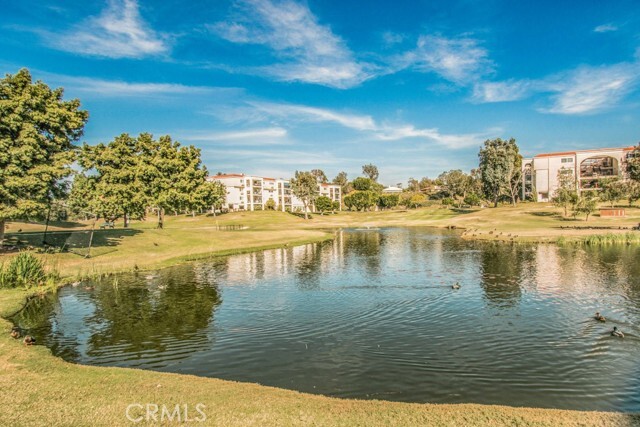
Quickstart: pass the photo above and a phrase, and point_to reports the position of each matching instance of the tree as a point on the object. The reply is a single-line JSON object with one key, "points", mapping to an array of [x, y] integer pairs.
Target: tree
{"points": [[370, 171], [633, 164], [426, 185], [500, 169], [416, 201], [116, 188], [388, 201], [305, 187], [587, 204], [361, 200], [455, 184], [366, 184], [566, 194], [37, 131], [169, 174], [413, 185], [320, 176], [612, 190], [323, 204], [81, 196], [270, 205], [632, 191], [212, 195], [342, 180]]}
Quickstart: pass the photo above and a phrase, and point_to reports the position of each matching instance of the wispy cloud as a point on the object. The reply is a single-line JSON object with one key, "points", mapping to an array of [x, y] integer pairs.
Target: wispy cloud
{"points": [[605, 28], [310, 52], [365, 123], [115, 88], [256, 137], [592, 89], [460, 60], [119, 32], [584, 90]]}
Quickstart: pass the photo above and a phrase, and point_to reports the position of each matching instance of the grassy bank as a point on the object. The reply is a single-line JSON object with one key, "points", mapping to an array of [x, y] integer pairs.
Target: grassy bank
{"points": [[39, 389]]}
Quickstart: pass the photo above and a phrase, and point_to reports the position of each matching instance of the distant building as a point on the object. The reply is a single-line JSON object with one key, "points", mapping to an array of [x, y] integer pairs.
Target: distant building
{"points": [[540, 173], [250, 192], [392, 190]]}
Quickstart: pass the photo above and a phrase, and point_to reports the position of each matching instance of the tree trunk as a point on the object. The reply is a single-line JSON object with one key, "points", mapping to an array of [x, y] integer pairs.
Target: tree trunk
{"points": [[2, 225], [126, 220], [160, 218], [306, 216]]}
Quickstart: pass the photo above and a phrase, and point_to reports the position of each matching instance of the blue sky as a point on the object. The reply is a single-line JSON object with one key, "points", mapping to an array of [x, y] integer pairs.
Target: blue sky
{"points": [[268, 87]]}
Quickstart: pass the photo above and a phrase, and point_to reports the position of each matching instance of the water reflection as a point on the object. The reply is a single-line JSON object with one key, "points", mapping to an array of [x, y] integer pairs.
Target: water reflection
{"points": [[372, 315]]}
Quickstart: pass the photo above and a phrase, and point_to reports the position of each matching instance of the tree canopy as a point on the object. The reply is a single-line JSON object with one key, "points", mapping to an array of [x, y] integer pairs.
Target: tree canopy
{"points": [[370, 171], [37, 132], [304, 185], [500, 169]]}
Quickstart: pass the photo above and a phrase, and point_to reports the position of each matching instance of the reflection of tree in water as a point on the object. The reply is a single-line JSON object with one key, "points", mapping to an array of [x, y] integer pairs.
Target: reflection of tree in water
{"points": [[502, 268], [36, 320], [364, 247], [175, 306], [308, 267]]}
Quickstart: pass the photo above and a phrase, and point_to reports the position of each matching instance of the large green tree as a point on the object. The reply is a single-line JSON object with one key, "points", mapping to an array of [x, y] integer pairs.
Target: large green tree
{"points": [[343, 181], [37, 132], [170, 175], [117, 190], [500, 169], [305, 187]]}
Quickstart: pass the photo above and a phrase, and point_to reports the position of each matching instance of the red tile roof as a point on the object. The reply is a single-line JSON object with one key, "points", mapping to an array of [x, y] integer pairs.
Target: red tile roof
{"points": [[573, 153]]}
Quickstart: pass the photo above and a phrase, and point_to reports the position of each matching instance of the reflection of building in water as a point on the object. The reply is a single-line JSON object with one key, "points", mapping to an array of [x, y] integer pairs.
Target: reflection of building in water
{"points": [[272, 263]]}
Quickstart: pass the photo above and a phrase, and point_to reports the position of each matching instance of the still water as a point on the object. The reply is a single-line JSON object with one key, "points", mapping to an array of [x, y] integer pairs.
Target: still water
{"points": [[373, 314]]}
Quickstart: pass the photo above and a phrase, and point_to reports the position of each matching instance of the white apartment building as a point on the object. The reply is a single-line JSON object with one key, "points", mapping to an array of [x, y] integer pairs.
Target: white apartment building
{"points": [[250, 192], [540, 173]]}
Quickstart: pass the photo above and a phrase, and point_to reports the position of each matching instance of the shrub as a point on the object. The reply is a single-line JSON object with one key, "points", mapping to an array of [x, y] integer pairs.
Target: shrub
{"points": [[270, 205], [25, 269], [448, 201]]}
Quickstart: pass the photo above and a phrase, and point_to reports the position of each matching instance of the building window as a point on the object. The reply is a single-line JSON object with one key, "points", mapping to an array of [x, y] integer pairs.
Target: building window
{"points": [[567, 160]]}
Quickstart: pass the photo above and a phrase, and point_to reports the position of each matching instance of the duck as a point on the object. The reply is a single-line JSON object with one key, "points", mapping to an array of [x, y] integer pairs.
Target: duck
{"points": [[599, 317], [162, 287], [455, 286], [617, 333], [15, 332], [89, 288], [29, 340]]}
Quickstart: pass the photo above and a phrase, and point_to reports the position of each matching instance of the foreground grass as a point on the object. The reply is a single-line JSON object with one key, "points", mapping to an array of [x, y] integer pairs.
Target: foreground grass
{"points": [[39, 389]]}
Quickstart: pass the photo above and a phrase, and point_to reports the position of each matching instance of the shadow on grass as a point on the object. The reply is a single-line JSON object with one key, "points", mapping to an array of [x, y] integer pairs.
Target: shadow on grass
{"points": [[464, 210], [546, 213], [72, 241], [59, 224]]}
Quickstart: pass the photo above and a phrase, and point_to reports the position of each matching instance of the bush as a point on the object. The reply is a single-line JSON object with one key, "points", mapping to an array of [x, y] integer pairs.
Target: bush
{"points": [[448, 201], [23, 270], [270, 205]]}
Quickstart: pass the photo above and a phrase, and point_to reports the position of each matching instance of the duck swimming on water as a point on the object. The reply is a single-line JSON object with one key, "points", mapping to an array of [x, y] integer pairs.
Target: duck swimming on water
{"points": [[455, 286], [617, 333], [599, 317]]}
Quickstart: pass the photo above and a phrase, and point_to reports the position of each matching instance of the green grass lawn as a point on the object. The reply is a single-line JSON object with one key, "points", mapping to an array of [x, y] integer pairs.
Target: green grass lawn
{"points": [[39, 389]]}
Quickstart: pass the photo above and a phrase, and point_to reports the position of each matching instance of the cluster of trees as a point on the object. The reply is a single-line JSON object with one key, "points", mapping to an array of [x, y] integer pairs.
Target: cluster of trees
{"points": [[129, 177]]}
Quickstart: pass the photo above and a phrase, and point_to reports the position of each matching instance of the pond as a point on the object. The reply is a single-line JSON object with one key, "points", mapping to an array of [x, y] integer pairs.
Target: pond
{"points": [[373, 315]]}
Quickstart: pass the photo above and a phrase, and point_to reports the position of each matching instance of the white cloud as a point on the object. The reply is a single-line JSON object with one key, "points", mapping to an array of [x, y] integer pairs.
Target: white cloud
{"points": [[459, 60], [310, 52], [591, 89], [390, 38], [119, 32], [510, 90], [365, 123], [584, 90], [605, 28], [116, 88]]}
